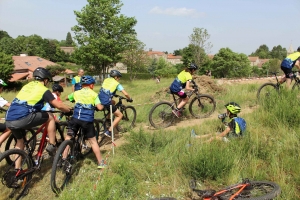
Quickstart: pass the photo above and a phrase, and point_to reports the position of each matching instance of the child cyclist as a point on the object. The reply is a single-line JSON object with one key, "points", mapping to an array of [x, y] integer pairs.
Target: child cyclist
{"points": [[234, 128], [182, 81], [56, 91], [86, 101], [109, 87], [5, 131]]}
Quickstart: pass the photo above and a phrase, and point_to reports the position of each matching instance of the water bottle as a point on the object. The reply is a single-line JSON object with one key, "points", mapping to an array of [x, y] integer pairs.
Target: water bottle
{"points": [[222, 116]]}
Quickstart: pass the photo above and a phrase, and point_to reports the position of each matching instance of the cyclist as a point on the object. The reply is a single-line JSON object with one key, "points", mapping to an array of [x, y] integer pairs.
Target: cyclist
{"points": [[76, 80], [109, 87], [86, 101], [182, 81], [3, 102], [235, 127], [287, 65], [25, 110]]}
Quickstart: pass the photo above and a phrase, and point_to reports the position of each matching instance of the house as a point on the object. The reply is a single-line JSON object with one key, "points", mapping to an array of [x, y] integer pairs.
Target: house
{"points": [[68, 50], [25, 65], [171, 58]]}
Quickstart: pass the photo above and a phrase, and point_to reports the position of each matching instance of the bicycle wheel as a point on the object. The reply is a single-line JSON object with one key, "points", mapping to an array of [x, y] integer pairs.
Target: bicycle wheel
{"points": [[202, 106], [101, 138], [62, 168], [12, 141], [259, 190], [267, 90], [296, 86], [161, 115], [15, 186], [61, 131], [128, 119]]}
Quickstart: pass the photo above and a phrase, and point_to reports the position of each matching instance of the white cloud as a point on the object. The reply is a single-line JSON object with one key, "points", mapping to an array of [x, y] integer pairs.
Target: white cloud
{"points": [[176, 12]]}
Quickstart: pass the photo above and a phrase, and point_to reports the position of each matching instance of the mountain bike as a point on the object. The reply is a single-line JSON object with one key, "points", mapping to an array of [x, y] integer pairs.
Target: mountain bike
{"points": [[35, 136], [201, 106], [65, 161], [16, 181], [251, 190], [268, 89], [127, 122]]}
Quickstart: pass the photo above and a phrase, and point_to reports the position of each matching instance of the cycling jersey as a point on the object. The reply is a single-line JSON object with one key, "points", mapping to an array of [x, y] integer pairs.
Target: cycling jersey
{"points": [[31, 98], [180, 81], [108, 89], [290, 60], [85, 101], [76, 82]]}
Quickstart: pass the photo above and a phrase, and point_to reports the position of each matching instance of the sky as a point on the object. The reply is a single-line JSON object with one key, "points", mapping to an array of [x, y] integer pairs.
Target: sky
{"points": [[164, 25]]}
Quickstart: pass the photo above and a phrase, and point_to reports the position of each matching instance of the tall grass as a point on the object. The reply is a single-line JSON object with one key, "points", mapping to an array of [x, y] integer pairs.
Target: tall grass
{"points": [[157, 163]]}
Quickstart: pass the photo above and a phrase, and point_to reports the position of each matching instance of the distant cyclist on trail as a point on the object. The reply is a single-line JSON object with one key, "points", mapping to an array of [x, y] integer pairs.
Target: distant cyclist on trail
{"points": [[234, 128], [287, 65], [182, 81]]}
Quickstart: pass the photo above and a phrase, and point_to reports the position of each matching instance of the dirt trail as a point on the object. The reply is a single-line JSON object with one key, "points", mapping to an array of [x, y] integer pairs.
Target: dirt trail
{"points": [[207, 86]]}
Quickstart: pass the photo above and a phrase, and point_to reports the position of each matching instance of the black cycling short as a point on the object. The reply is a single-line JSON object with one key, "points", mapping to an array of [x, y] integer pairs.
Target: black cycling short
{"points": [[32, 120], [114, 108], [2, 127], [87, 128], [288, 72]]}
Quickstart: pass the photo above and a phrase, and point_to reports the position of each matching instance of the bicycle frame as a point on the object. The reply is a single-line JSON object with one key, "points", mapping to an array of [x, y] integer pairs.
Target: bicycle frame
{"points": [[176, 99], [241, 187]]}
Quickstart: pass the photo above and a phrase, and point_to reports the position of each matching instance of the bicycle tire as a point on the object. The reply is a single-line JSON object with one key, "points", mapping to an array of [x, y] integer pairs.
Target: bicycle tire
{"points": [[15, 187], [259, 190], [296, 86], [128, 119], [161, 115], [101, 138], [266, 90], [62, 169], [202, 106], [11, 143]]}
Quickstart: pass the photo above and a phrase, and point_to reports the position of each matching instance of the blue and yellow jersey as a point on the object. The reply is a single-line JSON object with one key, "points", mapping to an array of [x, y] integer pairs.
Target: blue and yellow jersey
{"points": [[30, 99], [76, 82], [180, 81], [237, 126], [108, 89], [85, 101], [290, 60]]}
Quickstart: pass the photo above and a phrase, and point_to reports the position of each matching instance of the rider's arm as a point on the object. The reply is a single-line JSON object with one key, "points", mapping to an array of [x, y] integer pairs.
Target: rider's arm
{"points": [[126, 94], [188, 85], [48, 97], [225, 132], [297, 64]]}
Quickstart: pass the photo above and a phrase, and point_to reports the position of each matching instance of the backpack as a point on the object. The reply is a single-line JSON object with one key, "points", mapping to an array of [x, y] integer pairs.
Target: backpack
{"points": [[242, 124]]}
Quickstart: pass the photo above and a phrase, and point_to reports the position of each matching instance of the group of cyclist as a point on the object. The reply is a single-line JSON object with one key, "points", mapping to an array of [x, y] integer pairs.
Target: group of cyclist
{"points": [[29, 108], [26, 109]]}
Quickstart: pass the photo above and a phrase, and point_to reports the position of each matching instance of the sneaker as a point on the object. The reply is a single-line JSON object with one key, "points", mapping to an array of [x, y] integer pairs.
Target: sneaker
{"points": [[102, 165], [193, 134], [107, 133], [176, 112], [51, 149]]}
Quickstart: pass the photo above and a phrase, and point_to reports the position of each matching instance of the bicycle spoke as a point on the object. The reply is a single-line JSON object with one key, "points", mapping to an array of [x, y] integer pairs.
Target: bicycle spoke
{"points": [[202, 106], [15, 182], [161, 115]]}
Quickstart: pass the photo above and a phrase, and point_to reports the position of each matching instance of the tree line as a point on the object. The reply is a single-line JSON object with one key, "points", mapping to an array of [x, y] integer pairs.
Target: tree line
{"points": [[104, 37]]}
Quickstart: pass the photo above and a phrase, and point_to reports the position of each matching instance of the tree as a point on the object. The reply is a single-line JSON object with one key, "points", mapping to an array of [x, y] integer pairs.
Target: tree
{"points": [[199, 45], [278, 52], [6, 66], [227, 63], [262, 52], [178, 52], [102, 34], [135, 58], [69, 41], [4, 34], [9, 46], [56, 69]]}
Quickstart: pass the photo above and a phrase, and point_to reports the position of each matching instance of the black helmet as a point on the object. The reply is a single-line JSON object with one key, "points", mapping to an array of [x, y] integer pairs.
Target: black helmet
{"points": [[41, 73], [193, 66], [57, 87], [114, 73], [298, 49], [87, 80]]}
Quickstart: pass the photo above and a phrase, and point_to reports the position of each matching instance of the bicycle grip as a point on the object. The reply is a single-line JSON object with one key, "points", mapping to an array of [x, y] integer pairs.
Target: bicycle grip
{"points": [[129, 100]]}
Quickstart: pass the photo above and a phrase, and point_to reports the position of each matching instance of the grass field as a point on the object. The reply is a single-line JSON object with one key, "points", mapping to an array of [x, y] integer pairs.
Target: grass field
{"points": [[156, 163]]}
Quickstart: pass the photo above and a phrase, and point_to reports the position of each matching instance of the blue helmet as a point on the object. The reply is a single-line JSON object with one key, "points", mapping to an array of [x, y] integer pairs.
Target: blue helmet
{"points": [[87, 80]]}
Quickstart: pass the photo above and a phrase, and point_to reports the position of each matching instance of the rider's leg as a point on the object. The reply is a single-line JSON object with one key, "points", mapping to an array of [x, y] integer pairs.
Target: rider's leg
{"points": [[118, 117], [4, 136], [182, 103], [51, 129], [288, 83]]}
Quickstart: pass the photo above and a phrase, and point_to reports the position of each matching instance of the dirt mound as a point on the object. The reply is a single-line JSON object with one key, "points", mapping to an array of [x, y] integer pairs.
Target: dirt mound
{"points": [[205, 84]]}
